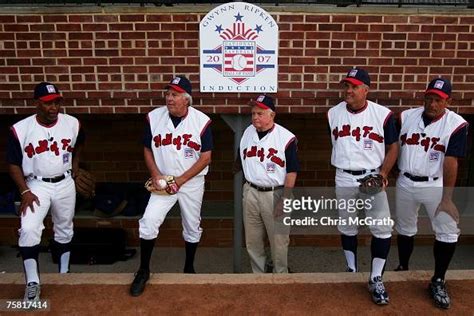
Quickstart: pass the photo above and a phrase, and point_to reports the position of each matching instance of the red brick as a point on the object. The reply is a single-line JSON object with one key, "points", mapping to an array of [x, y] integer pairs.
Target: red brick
{"points": [[55, 18], [80, 52], [95, 27], [381, 28], [317, 19], [185, 35], [7, 19], [8, 53], [407, 28], [421, 19], [291, 18], [68, 27], [356, 27], [328, 61], [133, 35], [158, 18], [354, 61], [173, 27], [432, 28], [446, 20], [370, 19], [466, 37], [105, 18], [185, 18], [303, 27], [147, 26], [457, 29], [330, 27], [159, 35], [344, 35], [132, 18], [395, 19], [80, 18], [78, 36], [344, 18], [18, 61], [15, 27]]}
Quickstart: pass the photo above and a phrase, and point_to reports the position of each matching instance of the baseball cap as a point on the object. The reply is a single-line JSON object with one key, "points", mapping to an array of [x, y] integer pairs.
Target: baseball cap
{"points": [[357, 76], [46, 92], [264, 101], [180, 84], [439, 86]]}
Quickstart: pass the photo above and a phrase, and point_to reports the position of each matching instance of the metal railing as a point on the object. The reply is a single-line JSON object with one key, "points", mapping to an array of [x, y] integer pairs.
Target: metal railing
{"points": [[399, 3]]}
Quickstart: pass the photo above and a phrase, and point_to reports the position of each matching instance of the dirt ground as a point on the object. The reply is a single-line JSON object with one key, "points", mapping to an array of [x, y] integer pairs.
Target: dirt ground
{"points": [[406, 298]]}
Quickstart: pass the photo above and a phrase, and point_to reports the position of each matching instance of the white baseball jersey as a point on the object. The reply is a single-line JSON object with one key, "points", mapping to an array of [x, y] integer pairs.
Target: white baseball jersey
{"points": [[422, 148], [263, 160], [176, 149], [358, 138], [47, 150]]}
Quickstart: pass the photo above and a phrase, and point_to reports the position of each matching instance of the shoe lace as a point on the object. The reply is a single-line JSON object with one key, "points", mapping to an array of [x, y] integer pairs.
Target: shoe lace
{"points": [[441, 290], [32, 290], [379, 287]]}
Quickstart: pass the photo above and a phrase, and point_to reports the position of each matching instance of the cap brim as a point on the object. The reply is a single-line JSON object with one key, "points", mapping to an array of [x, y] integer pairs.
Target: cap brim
{"points": [[438, 92], [353, 81], [175, 87], [50, 97], [260, 105]]}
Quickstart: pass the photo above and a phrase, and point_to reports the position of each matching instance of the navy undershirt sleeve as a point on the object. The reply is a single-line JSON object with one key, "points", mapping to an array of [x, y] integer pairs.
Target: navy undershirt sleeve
{"points": [[14, 153], [292, 164], [81, 137], [206, 139], [147, 137], [390, 131], [457, 143]]}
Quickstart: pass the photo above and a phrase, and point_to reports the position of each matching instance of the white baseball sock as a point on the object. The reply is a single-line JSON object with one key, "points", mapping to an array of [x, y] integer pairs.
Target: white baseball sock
{"points": [[377, 267], [64, 262], [31, 270]]}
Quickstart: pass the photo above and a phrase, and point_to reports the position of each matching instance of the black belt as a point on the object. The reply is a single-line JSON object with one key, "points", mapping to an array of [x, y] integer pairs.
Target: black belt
{"points": [[55, 179], [418, 178], [358, 172], [264, 189]]}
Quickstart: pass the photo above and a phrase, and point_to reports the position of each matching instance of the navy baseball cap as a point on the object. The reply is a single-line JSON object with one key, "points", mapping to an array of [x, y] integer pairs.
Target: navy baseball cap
{"points": [[441, 87], [46, 92], [264, 102], [357, 76], [180, 84]]}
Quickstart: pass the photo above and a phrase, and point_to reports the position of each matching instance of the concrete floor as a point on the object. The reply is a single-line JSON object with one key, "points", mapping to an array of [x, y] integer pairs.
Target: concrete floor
{"points": [[220, 260]]}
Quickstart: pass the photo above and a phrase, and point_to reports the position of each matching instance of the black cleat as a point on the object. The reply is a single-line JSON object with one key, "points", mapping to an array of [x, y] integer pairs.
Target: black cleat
{"points": [[377, 289], [439, 294], [138, 284]]}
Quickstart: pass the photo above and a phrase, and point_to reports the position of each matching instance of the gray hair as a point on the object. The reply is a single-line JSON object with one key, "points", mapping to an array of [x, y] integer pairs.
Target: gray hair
{"points": [[189, 97]]}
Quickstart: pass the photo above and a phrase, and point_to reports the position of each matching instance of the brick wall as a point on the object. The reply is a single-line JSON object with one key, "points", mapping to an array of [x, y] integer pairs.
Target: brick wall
{"points": [[117, 59]]}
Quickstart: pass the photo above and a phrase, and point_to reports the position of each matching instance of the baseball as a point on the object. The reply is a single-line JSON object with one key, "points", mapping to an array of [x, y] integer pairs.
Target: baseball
{"points": [[162, 183], [239, 62]]}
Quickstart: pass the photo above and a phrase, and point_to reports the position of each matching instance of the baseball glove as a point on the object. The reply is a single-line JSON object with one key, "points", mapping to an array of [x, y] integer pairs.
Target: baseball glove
{"points": [[371, 184], [170, 188], [85, 183]]}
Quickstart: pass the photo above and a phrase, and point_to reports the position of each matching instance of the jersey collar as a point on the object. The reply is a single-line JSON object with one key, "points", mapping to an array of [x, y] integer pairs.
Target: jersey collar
{"points": [[359, 110], [46, 125]]}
